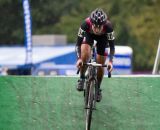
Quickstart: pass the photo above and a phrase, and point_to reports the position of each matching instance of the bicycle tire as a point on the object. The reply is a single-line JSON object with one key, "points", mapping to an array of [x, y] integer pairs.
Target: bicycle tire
{"points": [[86, 93], [90, 104]]}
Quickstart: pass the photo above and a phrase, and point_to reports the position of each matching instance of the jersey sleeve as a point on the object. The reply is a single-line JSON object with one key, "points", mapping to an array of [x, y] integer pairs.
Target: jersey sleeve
{"points": [[111, 39], [80, 36], [81, 32]]}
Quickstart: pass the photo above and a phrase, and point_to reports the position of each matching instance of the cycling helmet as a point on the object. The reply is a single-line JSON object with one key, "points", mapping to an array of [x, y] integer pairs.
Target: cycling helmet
{"points": [[98, 17]]}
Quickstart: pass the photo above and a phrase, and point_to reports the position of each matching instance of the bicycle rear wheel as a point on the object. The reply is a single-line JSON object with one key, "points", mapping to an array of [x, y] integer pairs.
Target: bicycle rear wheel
{"points": [[90, 104]]}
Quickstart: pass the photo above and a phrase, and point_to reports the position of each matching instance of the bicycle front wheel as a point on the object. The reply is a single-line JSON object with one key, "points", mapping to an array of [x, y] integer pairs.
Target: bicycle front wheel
{"points": [[90, 104]]}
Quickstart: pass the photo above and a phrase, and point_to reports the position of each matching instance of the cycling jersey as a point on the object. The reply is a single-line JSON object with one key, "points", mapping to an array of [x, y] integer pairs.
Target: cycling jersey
{"points": [[105, 38]]}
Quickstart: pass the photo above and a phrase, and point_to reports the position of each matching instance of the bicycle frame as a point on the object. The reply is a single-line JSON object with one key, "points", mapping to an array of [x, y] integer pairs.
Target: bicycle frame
{"points": [[90, 91], [91, 87]]}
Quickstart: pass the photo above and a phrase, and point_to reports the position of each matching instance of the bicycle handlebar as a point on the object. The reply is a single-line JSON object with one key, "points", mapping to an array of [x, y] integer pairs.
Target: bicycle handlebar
{"points": [[97, 65]]}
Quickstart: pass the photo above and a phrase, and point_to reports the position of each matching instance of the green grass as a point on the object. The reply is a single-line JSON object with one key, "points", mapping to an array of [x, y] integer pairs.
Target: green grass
{"points": [[52, 103]]}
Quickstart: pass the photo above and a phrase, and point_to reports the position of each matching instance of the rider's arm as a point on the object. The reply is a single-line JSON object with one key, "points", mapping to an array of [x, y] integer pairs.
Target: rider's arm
{"points": [[112, 49], [111, 37], [80, 37]]}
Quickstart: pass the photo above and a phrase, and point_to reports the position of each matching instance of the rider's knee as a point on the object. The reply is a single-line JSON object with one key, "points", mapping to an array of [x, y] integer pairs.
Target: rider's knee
{"points": [[100, 59], [85, 52]]}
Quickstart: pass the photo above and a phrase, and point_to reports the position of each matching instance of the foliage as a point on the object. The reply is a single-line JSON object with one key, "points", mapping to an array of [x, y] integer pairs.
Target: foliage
{"points": [[11, 22], [136, 23]]}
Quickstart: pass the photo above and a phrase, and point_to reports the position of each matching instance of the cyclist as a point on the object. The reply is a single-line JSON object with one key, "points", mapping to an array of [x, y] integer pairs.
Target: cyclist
{"points": [[96, 27]]}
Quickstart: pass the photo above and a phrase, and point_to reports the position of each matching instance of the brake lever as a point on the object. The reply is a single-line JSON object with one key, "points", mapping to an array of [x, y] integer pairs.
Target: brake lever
{"points": [[78, 71], [109, 73]]}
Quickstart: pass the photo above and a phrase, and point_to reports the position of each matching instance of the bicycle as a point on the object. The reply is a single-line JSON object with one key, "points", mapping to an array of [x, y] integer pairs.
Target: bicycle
{"points": [[91, 88]]}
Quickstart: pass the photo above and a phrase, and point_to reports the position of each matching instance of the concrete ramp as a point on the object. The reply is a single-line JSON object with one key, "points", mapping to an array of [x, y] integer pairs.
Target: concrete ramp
{"points": [[52, 103]]}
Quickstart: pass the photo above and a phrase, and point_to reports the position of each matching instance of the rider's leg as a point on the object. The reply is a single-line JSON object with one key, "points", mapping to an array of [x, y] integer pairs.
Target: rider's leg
{"points": [[85, 56], [100, 70]]}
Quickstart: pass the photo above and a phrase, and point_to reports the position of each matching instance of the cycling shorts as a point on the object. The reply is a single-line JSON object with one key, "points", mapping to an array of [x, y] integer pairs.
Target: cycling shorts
{"points": [[102, 42]]}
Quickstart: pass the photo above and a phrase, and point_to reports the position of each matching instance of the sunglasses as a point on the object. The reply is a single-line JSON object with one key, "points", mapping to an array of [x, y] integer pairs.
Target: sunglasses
{"points": [[97, 26]]}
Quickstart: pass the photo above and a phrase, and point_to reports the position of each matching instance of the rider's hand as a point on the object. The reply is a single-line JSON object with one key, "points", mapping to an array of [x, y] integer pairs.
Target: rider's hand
{"points": [[79, 63], [110, 66]]}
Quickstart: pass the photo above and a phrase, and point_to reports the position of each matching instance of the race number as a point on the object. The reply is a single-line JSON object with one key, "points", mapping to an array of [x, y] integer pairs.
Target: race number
{"points": [[81, 32], [110, 36]]}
